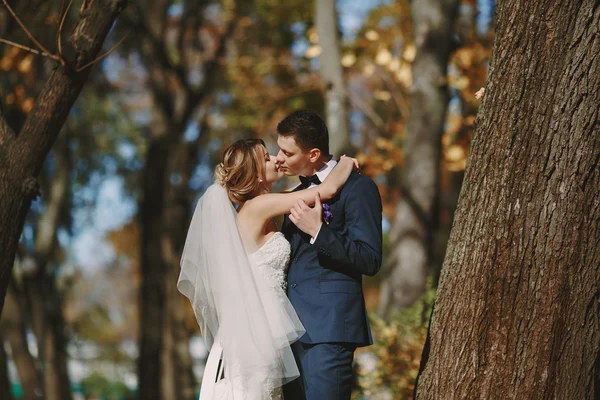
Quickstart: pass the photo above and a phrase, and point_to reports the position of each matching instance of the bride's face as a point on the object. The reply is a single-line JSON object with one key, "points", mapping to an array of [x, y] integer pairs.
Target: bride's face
{"points": [[272, 171]]}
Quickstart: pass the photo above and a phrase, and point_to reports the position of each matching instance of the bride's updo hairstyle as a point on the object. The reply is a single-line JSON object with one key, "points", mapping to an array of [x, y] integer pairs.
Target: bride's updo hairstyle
{"points": [[243, 164]]}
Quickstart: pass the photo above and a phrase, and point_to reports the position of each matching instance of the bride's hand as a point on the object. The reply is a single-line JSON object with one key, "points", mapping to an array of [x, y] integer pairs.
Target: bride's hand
{"points": [[354, 161]]}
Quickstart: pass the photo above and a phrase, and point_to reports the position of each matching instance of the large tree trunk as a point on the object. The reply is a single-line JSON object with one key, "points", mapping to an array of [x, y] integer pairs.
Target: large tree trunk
{"points": [[22, 155], [336, 102], [411, 238], [518, 308], [13, 329]]}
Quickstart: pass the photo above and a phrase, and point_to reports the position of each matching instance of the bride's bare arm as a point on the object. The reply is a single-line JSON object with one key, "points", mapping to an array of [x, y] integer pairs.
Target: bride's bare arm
{"points": [[273, 204]]}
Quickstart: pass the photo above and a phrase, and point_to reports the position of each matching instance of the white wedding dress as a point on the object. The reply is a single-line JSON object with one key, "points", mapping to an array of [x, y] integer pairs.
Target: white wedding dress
{"points": [[237, 292], [272, 260]]}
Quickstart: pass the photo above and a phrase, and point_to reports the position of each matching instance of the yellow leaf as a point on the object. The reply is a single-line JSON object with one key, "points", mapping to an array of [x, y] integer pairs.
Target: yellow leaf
{"points": [[410, 52], [383, 57], [313, 51], [372, 35], [348, 60]]}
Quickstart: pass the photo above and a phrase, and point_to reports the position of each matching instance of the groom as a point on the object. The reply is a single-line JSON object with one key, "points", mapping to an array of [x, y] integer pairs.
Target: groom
{"points": [[329, 257]]}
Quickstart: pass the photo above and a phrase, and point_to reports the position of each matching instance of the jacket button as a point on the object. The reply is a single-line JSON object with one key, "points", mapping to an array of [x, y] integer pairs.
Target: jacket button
{"points": [[294, 285]]}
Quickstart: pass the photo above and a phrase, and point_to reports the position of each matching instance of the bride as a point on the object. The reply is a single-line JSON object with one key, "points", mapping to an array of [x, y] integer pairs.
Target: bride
{"points": [[233, 272]]}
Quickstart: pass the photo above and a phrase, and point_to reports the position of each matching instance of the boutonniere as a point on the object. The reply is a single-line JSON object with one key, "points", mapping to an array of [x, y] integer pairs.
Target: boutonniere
{"points": [[327, 214]]}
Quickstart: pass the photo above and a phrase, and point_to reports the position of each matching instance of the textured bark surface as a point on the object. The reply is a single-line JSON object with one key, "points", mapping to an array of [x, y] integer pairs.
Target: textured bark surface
{"points": [[416, 215], [332, 74], [22, 155], [518, 308]]}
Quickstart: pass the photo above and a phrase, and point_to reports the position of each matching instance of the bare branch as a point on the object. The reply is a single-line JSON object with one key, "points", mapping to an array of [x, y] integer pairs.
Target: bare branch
{"points": [[158, 51], [29, 49], [103, 55], [38, 44], [196, 96], [60, 28], [63, 86], [366, 109], [191, 20]]}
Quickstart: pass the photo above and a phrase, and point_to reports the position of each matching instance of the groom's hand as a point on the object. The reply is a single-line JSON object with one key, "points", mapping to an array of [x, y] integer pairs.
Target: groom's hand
{"points": [[307, 219]]}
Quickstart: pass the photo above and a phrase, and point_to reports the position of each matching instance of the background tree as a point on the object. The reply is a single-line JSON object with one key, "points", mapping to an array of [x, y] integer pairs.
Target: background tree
{"points": [[517, 311], [182, 53], [411, 237], [13, 328], [4, 380], [22, 154], [35, 300], [332, 75]]}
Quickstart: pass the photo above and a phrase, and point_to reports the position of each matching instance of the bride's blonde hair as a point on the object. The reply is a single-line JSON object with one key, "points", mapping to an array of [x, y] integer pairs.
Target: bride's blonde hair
{"points": [[243, 170]]}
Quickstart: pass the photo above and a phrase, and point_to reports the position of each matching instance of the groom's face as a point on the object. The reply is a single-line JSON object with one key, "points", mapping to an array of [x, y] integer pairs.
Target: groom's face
{"points": [[291, 159]]}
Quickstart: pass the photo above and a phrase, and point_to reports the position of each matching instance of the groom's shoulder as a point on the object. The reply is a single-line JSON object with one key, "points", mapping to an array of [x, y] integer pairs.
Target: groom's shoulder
{"points": [[360, 183]]}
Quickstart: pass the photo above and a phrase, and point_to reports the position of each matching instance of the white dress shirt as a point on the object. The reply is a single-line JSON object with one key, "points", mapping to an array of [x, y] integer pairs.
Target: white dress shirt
{"points": [[322, 174]]}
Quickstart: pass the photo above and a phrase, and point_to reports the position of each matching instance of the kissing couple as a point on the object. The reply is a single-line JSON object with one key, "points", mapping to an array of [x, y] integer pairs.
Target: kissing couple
{"points": [[283, 310]]}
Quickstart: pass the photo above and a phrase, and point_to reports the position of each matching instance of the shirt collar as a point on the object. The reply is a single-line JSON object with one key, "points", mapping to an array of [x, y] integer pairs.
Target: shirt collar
{"points": [[326, 169]]}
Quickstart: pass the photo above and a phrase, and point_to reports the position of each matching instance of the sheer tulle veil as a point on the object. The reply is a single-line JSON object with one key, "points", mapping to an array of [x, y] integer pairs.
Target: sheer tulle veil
{"points": [[233, 304]]}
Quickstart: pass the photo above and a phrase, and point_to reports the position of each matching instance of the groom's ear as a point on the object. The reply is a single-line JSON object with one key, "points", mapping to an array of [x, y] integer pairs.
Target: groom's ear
{"points": [[314, 155]]}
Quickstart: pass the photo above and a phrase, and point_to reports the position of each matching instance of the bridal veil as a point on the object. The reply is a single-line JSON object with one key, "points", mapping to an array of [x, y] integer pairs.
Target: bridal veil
{"points": [[232, 302]]}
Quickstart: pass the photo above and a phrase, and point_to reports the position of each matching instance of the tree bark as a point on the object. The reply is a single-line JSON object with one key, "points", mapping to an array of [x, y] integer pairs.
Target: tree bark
{"points": [[22, 155], [13, 330], [332, 74], [411, 237], [518, 309]]}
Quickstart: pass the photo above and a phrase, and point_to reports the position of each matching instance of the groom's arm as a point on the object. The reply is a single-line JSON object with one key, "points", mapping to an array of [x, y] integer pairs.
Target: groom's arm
{"points": [[360, 249]]}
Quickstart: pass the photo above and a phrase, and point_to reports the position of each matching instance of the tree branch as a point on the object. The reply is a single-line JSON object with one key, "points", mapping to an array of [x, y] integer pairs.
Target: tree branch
{"points": [[60, 27], [366, 109], [196, 96], [190, 20], [28, 49], [33, 39], [103, 55], [159, 53], [64, 85]]}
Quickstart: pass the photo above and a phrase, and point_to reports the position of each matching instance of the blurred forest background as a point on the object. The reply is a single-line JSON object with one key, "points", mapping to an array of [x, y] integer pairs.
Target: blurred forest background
{"points": [[92, 310]]}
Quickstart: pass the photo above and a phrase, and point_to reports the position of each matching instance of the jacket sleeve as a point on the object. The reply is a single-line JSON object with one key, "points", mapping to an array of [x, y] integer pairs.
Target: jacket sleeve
{"points": [[360, 248]]}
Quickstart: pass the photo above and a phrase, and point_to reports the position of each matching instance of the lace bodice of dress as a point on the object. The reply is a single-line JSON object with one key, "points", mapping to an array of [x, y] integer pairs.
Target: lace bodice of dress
{"points": [[273, 259]]}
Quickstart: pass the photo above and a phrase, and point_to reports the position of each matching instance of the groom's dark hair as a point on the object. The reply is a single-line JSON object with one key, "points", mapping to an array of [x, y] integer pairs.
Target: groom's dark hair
{"points": [[308, 130]]}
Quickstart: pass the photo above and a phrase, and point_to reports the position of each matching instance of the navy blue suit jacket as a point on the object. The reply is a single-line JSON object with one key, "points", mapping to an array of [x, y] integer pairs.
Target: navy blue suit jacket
{"points": [[325, 278]]}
